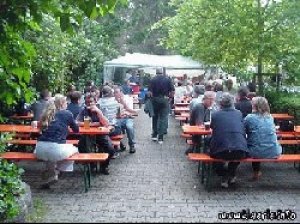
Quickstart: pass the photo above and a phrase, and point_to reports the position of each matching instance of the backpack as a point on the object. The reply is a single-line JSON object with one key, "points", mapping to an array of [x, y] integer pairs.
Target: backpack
{"points": [[22, 109]]}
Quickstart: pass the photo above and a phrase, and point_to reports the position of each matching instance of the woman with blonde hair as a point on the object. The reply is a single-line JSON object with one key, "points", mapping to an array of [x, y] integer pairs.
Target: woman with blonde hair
{"points": [[51, 145], [261, 134]]}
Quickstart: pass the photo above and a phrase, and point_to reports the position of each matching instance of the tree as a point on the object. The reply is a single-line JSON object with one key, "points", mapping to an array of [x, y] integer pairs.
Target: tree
{"points": [[17, 54], [134, 23], [235, 34]]}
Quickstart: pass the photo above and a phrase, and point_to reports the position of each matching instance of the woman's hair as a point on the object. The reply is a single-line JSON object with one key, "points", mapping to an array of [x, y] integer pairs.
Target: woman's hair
{"points": [[261, 105], [51, 108]]}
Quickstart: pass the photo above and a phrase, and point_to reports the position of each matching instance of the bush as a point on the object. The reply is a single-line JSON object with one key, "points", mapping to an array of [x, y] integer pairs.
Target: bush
{"points": [[10, 188], [283, 102]]}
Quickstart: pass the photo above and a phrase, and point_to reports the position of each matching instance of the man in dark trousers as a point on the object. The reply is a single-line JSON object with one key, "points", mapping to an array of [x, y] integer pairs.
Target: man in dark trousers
{"points": [[160, 88]]}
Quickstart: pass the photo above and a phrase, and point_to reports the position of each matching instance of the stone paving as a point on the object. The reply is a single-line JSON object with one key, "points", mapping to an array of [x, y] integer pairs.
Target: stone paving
{"points": [[159, 184]]}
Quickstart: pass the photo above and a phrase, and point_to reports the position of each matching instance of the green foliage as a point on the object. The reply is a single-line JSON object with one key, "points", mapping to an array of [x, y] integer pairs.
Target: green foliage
{"points": [[237, 34], [27, 52], [134, 25], [10, 186], [17, 55], [38, 213], [64, 58], [283, 102]]}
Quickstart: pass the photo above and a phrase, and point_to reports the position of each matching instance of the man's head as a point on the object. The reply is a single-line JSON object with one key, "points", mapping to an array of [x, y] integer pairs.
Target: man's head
{"points": [[229, 84], [45, 94], [198, 90], [209, 98], [243, 92], [89, 101], [75, 97], [227, 100], [107, 91], [118, 93], [159, 71]]}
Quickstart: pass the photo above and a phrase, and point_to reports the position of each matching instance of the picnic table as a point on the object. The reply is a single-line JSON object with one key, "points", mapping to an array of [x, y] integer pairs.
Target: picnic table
{"points": [[282, 116]]}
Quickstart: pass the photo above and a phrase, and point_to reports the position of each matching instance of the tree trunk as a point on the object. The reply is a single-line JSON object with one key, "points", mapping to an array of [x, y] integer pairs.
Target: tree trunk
{"points": [[260, 25], [260, 75]]}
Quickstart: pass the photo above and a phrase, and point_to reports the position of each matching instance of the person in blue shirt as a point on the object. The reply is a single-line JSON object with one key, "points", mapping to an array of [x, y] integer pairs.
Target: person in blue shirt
{"points": [[51, 145], [126, 88], [228, 139], [261, 134], [103, 142], [74, 106]]}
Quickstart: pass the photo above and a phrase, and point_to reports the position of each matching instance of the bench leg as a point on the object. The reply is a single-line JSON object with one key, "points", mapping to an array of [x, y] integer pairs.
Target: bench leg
{"points": [[87, 176], [202, 172], [208, 177]]}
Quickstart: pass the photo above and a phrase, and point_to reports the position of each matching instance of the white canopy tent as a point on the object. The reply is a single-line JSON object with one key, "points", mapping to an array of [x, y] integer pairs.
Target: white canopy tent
{"points": [[137, 60]]}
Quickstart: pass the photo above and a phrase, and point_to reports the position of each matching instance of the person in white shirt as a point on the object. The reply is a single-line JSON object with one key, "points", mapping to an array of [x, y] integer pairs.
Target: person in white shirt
{"points": [[180, 92], [125, 121]]}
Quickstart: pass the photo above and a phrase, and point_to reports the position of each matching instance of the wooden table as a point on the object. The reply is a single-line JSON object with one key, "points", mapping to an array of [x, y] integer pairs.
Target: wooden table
{"points": [[182, 104], [181, 109], [282, 116], [25, 119], [200, 130], [195, 130]]}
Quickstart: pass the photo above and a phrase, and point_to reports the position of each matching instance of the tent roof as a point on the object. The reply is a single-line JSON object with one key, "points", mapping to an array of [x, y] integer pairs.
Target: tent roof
{"points": [[146, 60]]}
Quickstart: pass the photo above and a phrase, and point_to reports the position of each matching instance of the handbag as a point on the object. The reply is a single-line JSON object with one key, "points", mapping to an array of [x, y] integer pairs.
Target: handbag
{"points": [[286, 125]]}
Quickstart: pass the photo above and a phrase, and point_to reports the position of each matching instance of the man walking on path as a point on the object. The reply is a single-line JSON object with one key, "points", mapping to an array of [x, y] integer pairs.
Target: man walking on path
{"points": [[160, 89]]}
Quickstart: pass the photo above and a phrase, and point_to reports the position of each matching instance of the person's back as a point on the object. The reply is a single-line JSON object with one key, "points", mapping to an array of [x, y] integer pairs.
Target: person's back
{"points": [[74, 106], [160, 88], [243, 104], [57, 130], [228, 131], [261, 135], [51, 146], [161, 85], [228, 141], [39, 106]]}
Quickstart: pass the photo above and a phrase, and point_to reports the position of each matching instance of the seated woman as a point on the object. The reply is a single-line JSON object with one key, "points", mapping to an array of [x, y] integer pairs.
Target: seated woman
{"points": [[51, 145], [261, 134], [228, 139]]}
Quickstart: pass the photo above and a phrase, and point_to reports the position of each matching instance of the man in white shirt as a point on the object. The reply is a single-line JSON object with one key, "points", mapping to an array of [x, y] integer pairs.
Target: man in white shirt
{"points": [[125, 121]]}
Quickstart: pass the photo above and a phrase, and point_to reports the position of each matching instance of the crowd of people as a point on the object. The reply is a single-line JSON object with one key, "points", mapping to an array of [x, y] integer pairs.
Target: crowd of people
{"points": [[107, 106], [240, 121]]}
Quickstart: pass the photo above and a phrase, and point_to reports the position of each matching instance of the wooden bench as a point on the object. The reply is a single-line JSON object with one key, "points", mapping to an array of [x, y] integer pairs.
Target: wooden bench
{"points": [[207, 161], [82, 158], [32, 142]]}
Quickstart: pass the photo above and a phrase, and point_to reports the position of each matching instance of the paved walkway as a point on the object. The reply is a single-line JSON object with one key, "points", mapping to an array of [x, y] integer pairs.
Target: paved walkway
{"points": [[159, 184]]}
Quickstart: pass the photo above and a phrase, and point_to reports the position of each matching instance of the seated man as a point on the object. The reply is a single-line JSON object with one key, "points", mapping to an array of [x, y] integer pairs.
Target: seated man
{"points": [[103, 142], [198, 94], [126, 88], [74, 105], [243, 104], [39, 106], [201, 113], [228, 140], [125, 121], [110, 108]]}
